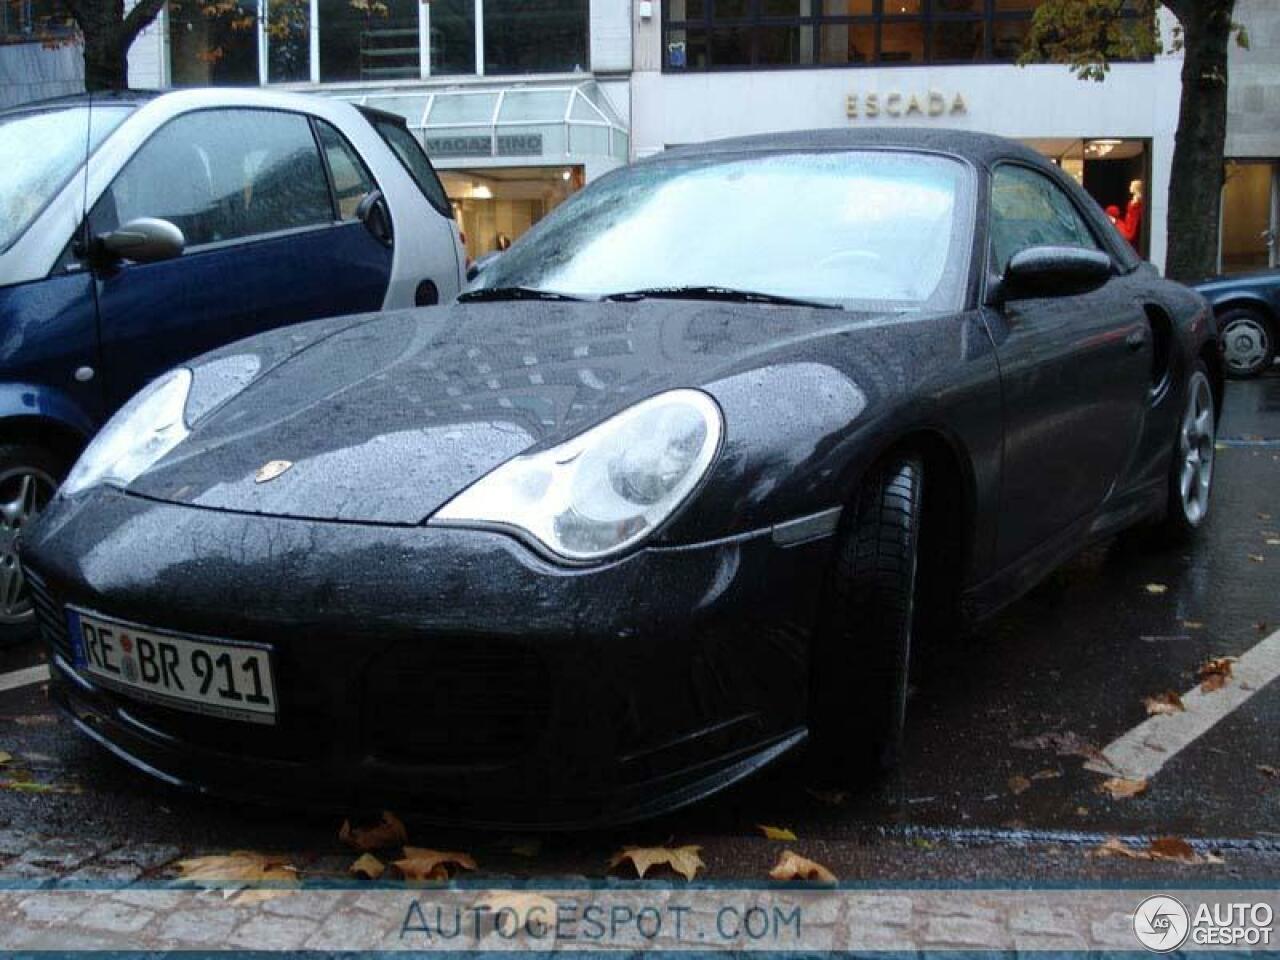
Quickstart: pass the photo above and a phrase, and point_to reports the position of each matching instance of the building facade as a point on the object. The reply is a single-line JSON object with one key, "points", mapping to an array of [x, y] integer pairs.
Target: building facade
{"points": [[521, 102]]}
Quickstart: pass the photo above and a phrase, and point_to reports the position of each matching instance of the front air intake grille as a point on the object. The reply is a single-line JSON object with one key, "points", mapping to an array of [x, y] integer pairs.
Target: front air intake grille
{"points": [[49, 615]]}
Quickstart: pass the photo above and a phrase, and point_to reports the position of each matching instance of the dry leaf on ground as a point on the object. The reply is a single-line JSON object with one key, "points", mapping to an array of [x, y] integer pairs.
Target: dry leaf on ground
{"points": [[389, 833], [5, 757], [1257, 558], [420, 863], [1157, 588], [776, 833], [1019, 784], [1064, 744], [1193, 624], [683, 860], [516, 910], [792, 866], [1121, 789], [1215, 673], [1046, 774], [368, 866], [1267, 770], [239, 873], [1164, 703], [1173, 848], [1115, 847]]}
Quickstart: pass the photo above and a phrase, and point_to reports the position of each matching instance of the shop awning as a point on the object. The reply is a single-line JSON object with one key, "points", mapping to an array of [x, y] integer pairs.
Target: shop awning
{"points": [[505, 124]]}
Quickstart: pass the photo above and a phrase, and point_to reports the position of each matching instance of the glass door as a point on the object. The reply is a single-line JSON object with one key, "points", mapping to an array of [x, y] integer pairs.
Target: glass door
{"points": [[1250, 211]]}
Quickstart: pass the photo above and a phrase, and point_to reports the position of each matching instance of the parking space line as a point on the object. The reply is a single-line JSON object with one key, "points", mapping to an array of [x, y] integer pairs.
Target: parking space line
{"points": [[1144, 750], [23, 678]]}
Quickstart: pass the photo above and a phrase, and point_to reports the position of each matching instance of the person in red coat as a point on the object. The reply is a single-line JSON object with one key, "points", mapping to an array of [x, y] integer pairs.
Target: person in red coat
{"points": [[1131, 226]]}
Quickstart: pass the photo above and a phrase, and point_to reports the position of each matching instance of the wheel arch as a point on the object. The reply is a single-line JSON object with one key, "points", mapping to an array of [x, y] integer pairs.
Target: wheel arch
{"points": [[1249, 301], [42, 431]]}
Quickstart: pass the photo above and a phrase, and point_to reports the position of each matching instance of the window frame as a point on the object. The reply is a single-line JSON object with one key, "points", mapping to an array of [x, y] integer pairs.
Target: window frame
{"points": [[217, 245], [373, 116], [330, 182], [997, 272]]}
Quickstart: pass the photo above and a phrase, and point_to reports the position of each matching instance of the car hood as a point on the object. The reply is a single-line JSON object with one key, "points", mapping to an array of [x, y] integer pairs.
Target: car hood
{"points": [[386, 419]]}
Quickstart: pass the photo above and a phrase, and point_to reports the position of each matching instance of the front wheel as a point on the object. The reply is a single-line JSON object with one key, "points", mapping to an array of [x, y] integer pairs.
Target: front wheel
{"points": [[1191, 472], [1248, 348], [863, 648], [29, 477]]}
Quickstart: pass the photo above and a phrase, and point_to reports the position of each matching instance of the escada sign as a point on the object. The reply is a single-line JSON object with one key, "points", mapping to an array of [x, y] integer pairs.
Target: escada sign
{"points": [[895, 104]]}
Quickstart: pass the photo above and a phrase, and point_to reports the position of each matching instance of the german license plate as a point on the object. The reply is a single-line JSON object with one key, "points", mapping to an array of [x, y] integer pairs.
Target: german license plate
{"points": [[201, 675]]}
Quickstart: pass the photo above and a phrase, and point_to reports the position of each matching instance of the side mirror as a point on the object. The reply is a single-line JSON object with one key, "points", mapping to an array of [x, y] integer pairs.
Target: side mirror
{"points": [[373, 213], [482, 263], [1053, 271], [144, 240]]}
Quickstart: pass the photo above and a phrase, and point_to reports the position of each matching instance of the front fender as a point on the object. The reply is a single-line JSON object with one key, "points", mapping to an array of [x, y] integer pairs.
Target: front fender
{"points": [[34, 401]]}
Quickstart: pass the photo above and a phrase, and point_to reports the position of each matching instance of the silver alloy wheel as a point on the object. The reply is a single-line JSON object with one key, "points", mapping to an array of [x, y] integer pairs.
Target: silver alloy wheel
{"points": [[1195, 448], [24, 491], [1245, 343]]}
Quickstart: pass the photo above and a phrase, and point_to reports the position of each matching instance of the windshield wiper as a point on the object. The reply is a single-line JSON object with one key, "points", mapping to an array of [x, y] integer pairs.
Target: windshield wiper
{"points": [[719, 293], [514, 293]]}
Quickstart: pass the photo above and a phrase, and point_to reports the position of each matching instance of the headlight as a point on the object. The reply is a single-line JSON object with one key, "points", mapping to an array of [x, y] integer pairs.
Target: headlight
{"points": [[143, 431], [606, 489]]}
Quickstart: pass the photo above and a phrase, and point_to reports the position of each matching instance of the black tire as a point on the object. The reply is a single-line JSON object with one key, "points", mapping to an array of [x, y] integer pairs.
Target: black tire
{"points": [[1248, 342], [1184, 516], [47, 467], [862, 653]]}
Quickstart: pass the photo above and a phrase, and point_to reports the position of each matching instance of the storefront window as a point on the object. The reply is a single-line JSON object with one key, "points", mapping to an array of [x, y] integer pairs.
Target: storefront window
{"points": [[535, 36], [374, 41], [732, 34], [288, 41], [494, 207], [1250, 216], [208, 48], [22, 20], [453, 37]]}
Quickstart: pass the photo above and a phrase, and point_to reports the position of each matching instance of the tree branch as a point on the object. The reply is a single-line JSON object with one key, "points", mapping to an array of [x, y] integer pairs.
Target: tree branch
{"points": [[139, 18]]}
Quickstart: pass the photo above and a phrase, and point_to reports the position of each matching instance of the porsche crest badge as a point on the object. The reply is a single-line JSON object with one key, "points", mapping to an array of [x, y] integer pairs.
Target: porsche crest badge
{"points": [[271, 469]]}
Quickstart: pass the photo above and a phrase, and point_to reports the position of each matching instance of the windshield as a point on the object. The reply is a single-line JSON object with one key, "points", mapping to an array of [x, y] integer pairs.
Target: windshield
{"points": [[868, 229], [39, 151]]}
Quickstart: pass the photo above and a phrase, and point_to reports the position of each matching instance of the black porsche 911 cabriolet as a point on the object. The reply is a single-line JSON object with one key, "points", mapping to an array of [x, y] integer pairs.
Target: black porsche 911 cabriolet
{"points": [[671, 489]]}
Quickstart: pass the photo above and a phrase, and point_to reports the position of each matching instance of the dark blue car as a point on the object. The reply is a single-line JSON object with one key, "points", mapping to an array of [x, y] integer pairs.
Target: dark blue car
{"points": [[137, 231], [1248, 309]]}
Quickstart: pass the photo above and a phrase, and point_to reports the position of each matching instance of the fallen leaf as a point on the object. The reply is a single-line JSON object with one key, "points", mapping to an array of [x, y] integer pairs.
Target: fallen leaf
{"points": [[1157, 588], [516, 910], [1261, 626], [1264, 516], [792, 866], [922, 843], [1267, 770], [1064, 744], [1046, 774], [237, 875], [1173, 848], [1193, 624], [1273, 541], [389, 833], [1257, 557], [420, 863], [1121, 789], [1082, 811], [22, 784], [1215, 673], [1164, 703], [368, 866], [1115, 847], [775, 833], [1019, 784], [36, 720], [5, 758], [683, 860]]}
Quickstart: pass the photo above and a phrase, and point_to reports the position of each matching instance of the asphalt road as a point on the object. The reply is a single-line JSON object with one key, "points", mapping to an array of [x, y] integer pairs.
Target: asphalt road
{"points": [[985, 792]]}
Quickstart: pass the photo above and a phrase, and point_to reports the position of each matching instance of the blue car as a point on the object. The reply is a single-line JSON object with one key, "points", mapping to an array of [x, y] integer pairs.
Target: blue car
{"points": [[1248, 309], [139, 230]]}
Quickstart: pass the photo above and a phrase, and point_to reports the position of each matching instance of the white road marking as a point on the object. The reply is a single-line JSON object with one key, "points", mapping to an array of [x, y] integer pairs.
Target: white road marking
{"points": [[1144, 750], [23, 678]]}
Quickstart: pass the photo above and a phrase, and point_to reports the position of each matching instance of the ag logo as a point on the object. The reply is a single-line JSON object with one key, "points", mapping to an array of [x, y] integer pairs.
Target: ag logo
{"points": [[1161, 923]]}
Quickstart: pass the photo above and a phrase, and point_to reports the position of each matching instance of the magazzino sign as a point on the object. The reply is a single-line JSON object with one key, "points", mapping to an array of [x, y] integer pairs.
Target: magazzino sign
{"points": [[897, 104]]}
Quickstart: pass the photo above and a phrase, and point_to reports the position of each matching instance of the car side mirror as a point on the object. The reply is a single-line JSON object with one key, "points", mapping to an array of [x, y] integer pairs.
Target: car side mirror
{"points": [[144, 240], [1053, 271], [373, 213]]}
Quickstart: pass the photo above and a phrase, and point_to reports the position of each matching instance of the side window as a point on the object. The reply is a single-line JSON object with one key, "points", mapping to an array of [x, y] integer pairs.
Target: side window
{"points": [[405, 146], [1030, 210], [351, 178], [221, 175]]}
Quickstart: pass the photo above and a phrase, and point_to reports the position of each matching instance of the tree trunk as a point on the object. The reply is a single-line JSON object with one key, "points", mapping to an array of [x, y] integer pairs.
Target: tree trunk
{"points": [[1195, 186], [106, 46]]}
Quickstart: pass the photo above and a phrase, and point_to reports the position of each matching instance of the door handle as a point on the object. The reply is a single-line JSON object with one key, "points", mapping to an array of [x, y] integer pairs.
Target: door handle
{"points": [[1136, 339]]}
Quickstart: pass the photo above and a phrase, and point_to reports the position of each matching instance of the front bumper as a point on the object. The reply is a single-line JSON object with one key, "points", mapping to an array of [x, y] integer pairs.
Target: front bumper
{"points": [[452, 669]]}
